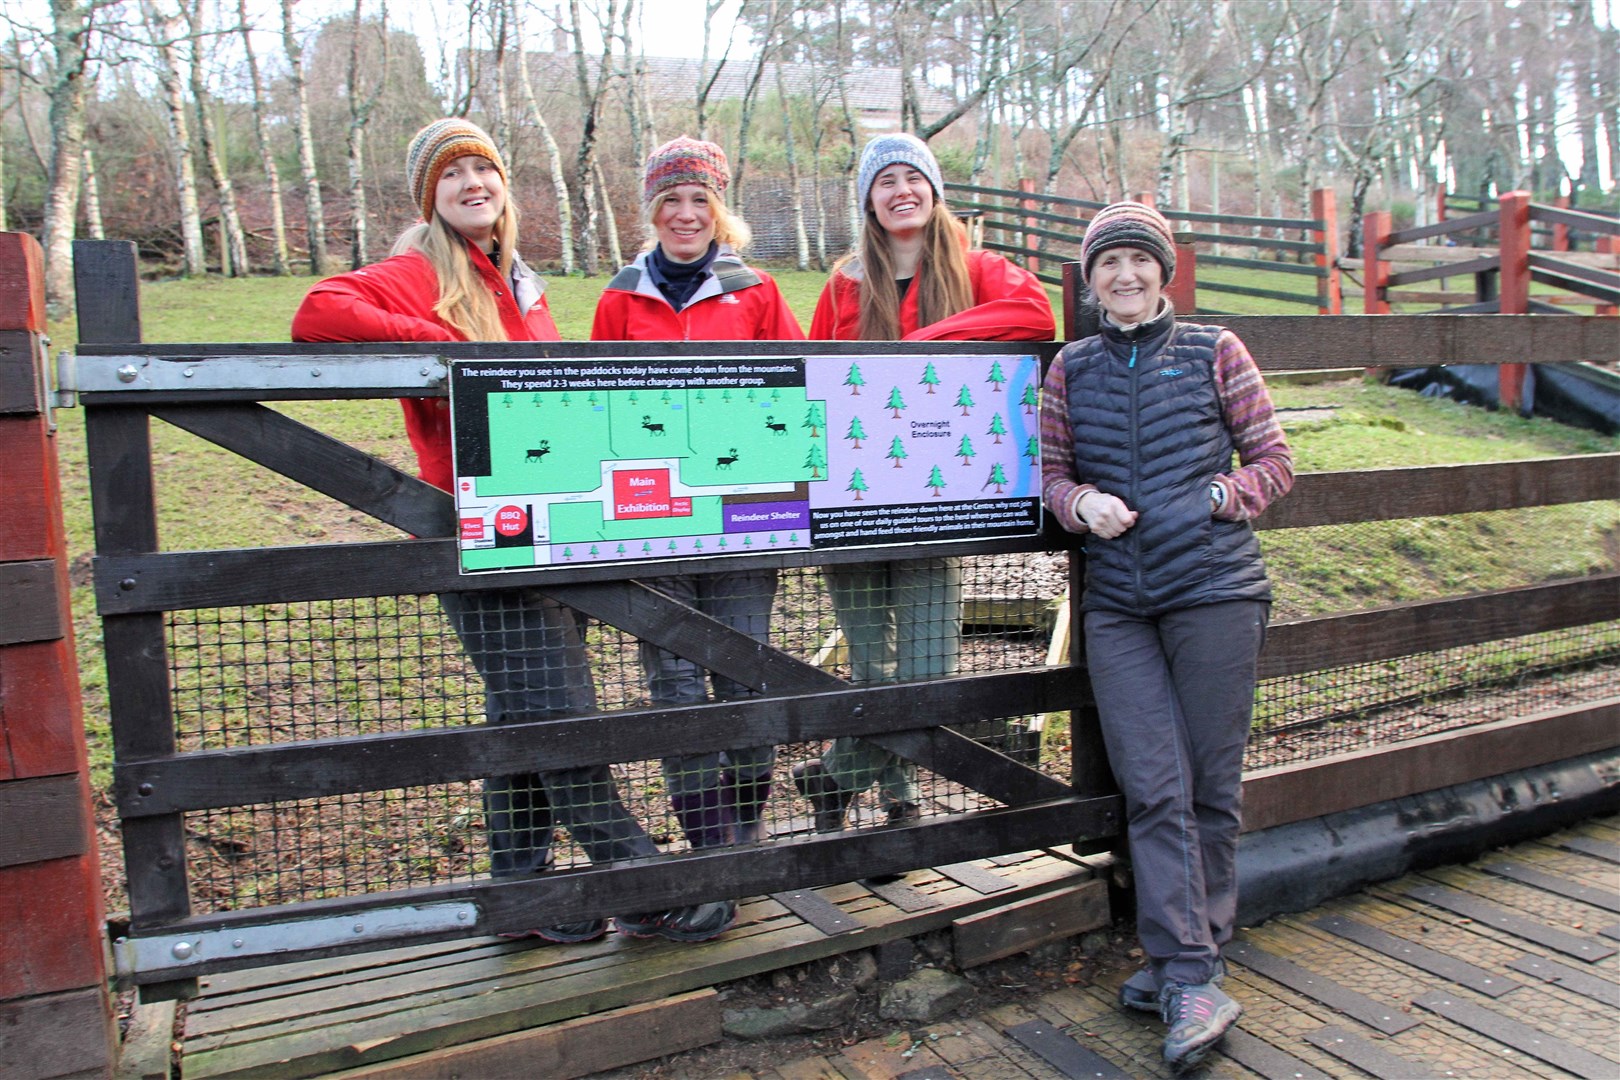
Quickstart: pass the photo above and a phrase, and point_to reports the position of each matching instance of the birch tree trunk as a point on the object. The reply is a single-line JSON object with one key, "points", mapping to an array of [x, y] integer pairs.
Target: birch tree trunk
{"points": [[609, 221], [279, 263], [554, 160], [163, 27], [92, 199], [233, 257], [707, 77], [361, 107], [314, 214], [590, 100], [801, 237], [70, 29], [745, 123]]}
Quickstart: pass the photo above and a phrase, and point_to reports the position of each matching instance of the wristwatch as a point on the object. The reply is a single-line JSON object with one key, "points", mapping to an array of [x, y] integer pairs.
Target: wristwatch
{"points": [[1217, 496]]}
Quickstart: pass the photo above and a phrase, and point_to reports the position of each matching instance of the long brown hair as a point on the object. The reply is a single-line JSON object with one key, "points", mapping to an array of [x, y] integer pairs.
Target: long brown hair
{"points": [[464, 301], [942, 284]]}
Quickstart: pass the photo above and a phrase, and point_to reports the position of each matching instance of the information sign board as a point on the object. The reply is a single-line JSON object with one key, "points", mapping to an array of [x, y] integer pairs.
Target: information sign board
{"points": [[560, 462]]}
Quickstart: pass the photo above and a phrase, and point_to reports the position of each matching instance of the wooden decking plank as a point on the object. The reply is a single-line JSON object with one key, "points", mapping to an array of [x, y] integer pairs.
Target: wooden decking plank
{"points": [[1269, 1061], [1499, 918], [1581, 982], [1607, 850], [1063, 1053], [902, 895], [1376, 1014], [1521, 1037], [1368, 1056], [1435, 963], [576, 1048], [976, 877], [1607, 899], [489, 1007]]}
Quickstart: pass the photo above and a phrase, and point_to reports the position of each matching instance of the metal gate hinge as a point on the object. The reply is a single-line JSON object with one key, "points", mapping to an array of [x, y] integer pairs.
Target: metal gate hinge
{"points": [[168, 952]]}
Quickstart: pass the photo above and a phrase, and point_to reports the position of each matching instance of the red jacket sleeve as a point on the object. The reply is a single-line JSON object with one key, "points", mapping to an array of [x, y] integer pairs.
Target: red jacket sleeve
{"points": [[609, 324], [371, 304], [1012, 305], [830, 323]]}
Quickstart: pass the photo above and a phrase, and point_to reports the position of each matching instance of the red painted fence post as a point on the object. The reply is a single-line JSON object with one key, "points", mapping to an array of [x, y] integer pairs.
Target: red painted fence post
{"points": [[1514, 245], [1375, 229], [1032, 263], [1329, 288], [1607, 245], [55, 1013], [1183, 288]]}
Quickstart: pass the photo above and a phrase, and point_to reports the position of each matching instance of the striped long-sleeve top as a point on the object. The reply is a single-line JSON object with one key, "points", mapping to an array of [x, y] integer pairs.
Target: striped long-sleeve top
{"points": [[1266, 464]]}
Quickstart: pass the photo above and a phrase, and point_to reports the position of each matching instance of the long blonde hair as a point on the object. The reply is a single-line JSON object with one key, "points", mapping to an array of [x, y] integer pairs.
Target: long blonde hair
{"points": [[729, 229], [465, 302], [942, 284]]}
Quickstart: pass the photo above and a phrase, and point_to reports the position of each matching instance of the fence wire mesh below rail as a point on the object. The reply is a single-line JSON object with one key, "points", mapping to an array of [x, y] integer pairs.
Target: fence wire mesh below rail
{"points": [[263, 675], [270, 674]]}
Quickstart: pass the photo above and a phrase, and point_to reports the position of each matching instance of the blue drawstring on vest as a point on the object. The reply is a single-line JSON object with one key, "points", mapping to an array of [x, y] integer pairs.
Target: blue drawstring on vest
{"points": [[1133, 355]]}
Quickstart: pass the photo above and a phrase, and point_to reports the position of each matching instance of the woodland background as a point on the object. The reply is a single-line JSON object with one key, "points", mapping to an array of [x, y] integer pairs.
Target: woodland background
{"points": [[238, 137]]}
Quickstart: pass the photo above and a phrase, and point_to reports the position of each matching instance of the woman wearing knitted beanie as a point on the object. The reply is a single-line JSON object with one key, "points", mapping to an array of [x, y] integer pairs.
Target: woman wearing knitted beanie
{"points": [[456, 276], [912, 278], [690, 284], [1139, 427]]}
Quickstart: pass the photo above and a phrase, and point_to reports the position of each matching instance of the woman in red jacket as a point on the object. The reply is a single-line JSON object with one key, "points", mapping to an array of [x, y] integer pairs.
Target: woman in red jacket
{"points": [[911, 279], [691, 285], [456, 276]]}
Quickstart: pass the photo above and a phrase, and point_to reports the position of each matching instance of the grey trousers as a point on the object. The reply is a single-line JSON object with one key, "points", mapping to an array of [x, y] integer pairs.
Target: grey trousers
{"points": [[742, 600], [902, 621], [1176, 695], [530, 651]]}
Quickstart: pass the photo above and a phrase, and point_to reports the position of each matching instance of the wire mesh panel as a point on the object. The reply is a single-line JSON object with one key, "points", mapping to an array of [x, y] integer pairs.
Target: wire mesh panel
{"points": [[340, 669]]}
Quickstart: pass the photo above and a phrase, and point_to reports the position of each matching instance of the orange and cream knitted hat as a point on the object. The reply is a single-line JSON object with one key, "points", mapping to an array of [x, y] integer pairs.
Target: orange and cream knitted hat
{"points": [[435, 147]]}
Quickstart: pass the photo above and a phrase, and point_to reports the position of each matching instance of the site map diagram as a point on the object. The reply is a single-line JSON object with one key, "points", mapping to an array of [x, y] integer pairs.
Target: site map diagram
{"points": [[561, 462]]}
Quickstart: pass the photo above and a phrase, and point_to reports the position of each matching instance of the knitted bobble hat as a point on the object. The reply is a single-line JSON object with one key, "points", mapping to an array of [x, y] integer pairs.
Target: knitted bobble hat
{"points": [[1129, 224], [886, 150], [435, 147], [685, 161]]}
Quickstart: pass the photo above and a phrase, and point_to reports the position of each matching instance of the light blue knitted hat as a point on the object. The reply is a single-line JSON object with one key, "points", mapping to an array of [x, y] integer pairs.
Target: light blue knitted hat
{"points": [[886, 150]]}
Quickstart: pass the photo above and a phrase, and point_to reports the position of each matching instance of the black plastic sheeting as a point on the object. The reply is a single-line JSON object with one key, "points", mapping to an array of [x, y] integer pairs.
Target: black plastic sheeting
{"points": [[1574, 394], [1297, 866]]}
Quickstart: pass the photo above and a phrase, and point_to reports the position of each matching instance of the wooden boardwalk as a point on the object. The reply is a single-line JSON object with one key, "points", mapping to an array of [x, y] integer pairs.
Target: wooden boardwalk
{"points": [[1507, 966]]}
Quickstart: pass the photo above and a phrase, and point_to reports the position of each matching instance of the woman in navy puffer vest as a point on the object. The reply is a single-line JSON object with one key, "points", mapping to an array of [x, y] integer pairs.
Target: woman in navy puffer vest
{"points": [[1139, 427]]}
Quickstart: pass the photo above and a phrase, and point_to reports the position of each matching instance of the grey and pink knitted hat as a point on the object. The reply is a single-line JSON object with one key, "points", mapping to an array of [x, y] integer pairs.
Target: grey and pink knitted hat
{"points": [[1129, 224], [436, 146], [685, 160]]}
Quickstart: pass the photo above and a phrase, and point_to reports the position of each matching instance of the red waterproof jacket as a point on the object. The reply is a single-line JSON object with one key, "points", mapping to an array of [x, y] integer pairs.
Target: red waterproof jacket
{"points": [[735, 302], [1009, 304], [393, 301]]}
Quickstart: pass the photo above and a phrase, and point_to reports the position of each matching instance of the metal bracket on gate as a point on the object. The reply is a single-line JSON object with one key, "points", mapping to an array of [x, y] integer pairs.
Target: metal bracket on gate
{"points": [[103, 374], [176, 952]]}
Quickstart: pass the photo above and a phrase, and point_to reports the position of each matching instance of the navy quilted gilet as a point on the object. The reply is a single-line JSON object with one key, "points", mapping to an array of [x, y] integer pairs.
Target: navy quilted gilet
{"points": [[1148, 428]]}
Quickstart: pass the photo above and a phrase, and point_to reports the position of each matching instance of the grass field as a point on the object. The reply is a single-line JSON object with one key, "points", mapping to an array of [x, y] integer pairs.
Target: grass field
{"points": [[210, 499]]}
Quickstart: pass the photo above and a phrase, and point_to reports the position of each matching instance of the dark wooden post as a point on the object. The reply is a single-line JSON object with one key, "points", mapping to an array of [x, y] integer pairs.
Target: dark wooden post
{"points": [[1513, 211], [56, 1018], [1375, 230], [1329, 289]]}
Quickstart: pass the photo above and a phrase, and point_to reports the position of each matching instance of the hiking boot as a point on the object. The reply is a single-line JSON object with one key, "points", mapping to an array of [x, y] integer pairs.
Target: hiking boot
{"points": [[902, 813], [695, 922], [1198, 1016], [644, 925], [565, 933], [826, 798], [1141, 991], [698, 922]]}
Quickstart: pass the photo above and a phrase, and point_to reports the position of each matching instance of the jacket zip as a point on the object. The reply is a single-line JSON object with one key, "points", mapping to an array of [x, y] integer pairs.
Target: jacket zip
{"points": [[1136, 477]]}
